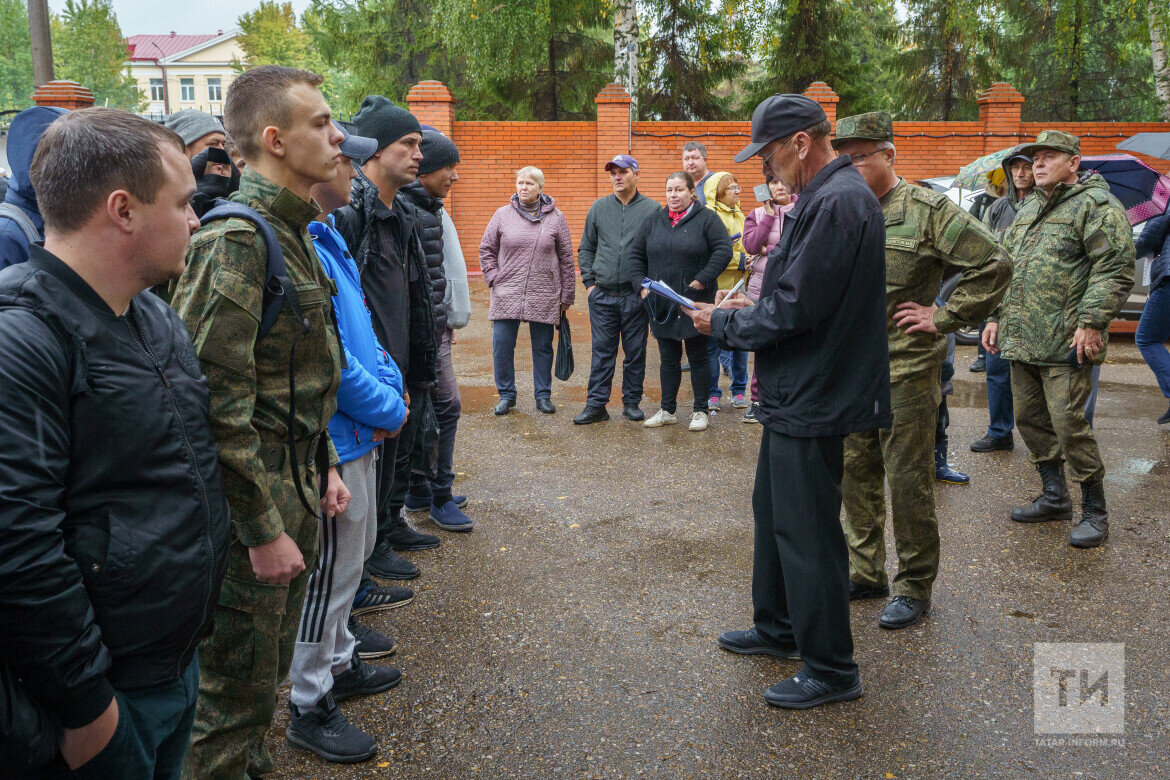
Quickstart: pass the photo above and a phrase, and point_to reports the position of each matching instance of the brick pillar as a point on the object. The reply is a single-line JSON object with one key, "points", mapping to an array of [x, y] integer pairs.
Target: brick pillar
{"points": [[432, 104], [999, 115], [613, 130], [824, 94], [63, 94]]}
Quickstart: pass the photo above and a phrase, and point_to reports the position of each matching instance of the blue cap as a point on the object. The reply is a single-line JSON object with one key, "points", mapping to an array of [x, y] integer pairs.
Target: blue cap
{"points": [[356, 147], [622, 161]]}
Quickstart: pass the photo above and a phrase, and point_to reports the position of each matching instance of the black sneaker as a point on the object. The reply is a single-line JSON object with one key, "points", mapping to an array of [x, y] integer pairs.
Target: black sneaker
{"points": [[324, 730], [364, 680], [979, 366], [1165, 418], [800, 692], [389, 565], [370, 643], [749, 642], [378, 598], [591, 414], [750, 415], [406, 538], [633, 412], [991, 444]]}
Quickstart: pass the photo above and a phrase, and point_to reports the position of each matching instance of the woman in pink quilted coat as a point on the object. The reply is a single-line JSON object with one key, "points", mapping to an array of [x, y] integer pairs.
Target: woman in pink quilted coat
{"points": [[526, 256]]}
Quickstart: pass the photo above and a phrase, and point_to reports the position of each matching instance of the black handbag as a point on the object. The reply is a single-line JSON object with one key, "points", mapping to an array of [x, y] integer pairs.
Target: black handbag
{"points": [[564, 364]]}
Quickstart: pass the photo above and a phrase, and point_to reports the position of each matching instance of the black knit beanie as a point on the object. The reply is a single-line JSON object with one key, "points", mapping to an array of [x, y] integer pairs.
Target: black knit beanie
{"points": [[438, 150], [383, 121]]}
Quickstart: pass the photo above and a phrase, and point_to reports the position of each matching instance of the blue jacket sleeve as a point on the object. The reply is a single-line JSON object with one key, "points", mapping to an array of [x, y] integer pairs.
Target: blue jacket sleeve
{"points": [[809, 291], [364, 398], [388, 371]]}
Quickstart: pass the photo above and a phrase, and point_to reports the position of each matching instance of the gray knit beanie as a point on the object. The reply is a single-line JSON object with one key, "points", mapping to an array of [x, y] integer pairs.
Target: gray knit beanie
{"points": [[438, 150], [191, 125]]}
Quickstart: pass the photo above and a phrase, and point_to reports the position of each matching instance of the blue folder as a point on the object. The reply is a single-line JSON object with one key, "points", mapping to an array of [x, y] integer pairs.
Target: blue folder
{"points": [[664, 289]]}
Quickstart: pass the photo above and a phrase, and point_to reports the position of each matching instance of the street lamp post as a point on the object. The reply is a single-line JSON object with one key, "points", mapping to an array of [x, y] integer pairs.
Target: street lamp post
{"points": [[42, 47]]}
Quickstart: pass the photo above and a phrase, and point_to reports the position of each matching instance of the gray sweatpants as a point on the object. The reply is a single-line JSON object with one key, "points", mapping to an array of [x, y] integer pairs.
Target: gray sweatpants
{"points": [[324, 645]]}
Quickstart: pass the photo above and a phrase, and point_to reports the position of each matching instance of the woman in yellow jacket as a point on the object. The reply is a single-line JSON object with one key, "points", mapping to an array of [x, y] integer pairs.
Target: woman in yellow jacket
{"points": [[722, 191]]}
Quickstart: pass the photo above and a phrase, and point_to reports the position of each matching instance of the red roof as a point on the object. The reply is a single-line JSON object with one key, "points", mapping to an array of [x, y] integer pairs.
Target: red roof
{"points": [[141, 48]]}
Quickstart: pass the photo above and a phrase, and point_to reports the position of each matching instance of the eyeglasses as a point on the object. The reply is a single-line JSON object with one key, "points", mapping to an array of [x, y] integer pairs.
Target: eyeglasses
{"points": [[764, 161], [856, 158]]}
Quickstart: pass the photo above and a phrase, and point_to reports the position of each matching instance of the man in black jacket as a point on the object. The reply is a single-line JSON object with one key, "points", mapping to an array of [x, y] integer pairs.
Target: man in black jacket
{"points": [[615, 309], [819, 333], [382, 233], [433, 474], [113, 520]]}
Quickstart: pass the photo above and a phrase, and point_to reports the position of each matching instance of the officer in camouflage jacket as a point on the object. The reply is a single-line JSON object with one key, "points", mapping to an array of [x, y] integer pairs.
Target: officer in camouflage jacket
{"points": [[274, 544], [1074, 261], [927, 238]]}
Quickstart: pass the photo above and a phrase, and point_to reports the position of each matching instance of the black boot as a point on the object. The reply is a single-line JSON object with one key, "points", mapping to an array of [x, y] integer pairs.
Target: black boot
{"points": [[1052, 504], [404, 538], [1094, 526]]}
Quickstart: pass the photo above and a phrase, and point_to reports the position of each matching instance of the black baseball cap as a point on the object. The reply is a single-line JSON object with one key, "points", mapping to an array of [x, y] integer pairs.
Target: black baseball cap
{"points": [[356, 147], [779, 117]]}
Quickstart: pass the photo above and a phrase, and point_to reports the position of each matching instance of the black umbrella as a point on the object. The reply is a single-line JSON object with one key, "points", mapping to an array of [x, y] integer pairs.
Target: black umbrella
{"points": [[1153, 144]]}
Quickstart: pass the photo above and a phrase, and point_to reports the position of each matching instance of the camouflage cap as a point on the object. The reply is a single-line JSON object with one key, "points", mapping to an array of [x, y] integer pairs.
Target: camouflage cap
{"points": [[1052, 139], [874, 126]]}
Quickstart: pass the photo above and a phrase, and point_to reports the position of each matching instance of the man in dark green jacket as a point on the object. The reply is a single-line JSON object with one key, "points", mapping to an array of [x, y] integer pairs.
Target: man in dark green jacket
{"points": [[615, 310], [1074, 259]]}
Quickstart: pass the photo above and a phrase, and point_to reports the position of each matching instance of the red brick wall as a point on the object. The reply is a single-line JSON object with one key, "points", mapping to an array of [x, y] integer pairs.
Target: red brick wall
{"points": [[490, 153], [572, 154]]}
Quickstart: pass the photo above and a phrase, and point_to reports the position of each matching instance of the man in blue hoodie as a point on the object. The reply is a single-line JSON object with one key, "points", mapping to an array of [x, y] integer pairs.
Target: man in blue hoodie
{"points": [[325, 667], [20, 221]]}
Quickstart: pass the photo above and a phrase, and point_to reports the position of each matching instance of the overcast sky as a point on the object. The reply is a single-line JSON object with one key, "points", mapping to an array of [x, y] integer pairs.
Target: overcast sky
{"points": [[182, 16]]}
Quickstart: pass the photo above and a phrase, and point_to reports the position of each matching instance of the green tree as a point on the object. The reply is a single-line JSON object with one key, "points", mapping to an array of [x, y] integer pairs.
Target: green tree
{"points": [[269, 35], [16, 76], [948, 57], [1081, 60], [686, 57], [375, 47], [89, 48], [846, 44], [538, 59]]}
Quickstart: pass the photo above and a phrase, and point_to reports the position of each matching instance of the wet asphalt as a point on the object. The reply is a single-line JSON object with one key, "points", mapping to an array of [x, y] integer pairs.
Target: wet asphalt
{"points": [[572, 633]]}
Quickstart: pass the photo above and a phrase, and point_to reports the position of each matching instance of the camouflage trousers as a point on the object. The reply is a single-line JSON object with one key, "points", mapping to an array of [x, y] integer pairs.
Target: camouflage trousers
{"points": [[1049, 403], [247, 656], [904, 455]]}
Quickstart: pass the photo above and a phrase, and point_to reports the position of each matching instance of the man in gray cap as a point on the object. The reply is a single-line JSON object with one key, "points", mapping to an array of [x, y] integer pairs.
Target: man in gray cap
{"points": [[197, 129], [819, 333], [1074, 256], [927, 238]]}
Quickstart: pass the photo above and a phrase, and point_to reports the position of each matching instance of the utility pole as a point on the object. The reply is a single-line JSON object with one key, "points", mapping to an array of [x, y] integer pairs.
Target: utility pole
{"points": [[42, 48]]}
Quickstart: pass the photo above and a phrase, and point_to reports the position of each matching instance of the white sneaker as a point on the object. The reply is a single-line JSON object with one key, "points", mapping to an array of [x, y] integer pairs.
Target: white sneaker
{"points": [[660, 418], [698, 421]]}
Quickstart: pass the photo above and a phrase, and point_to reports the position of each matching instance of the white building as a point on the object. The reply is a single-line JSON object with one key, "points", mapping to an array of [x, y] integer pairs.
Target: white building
{"points": [[184, 71]]}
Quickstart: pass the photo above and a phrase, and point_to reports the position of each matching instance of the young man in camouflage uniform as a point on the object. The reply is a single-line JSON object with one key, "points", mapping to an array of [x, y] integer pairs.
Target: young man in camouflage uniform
{"points": [[281, 123], [1074, 258], [926, 237]]}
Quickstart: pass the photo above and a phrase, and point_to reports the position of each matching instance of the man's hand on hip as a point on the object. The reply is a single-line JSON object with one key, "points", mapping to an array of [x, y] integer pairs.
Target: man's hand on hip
{"points": [[912, 317], [278, 561]]}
